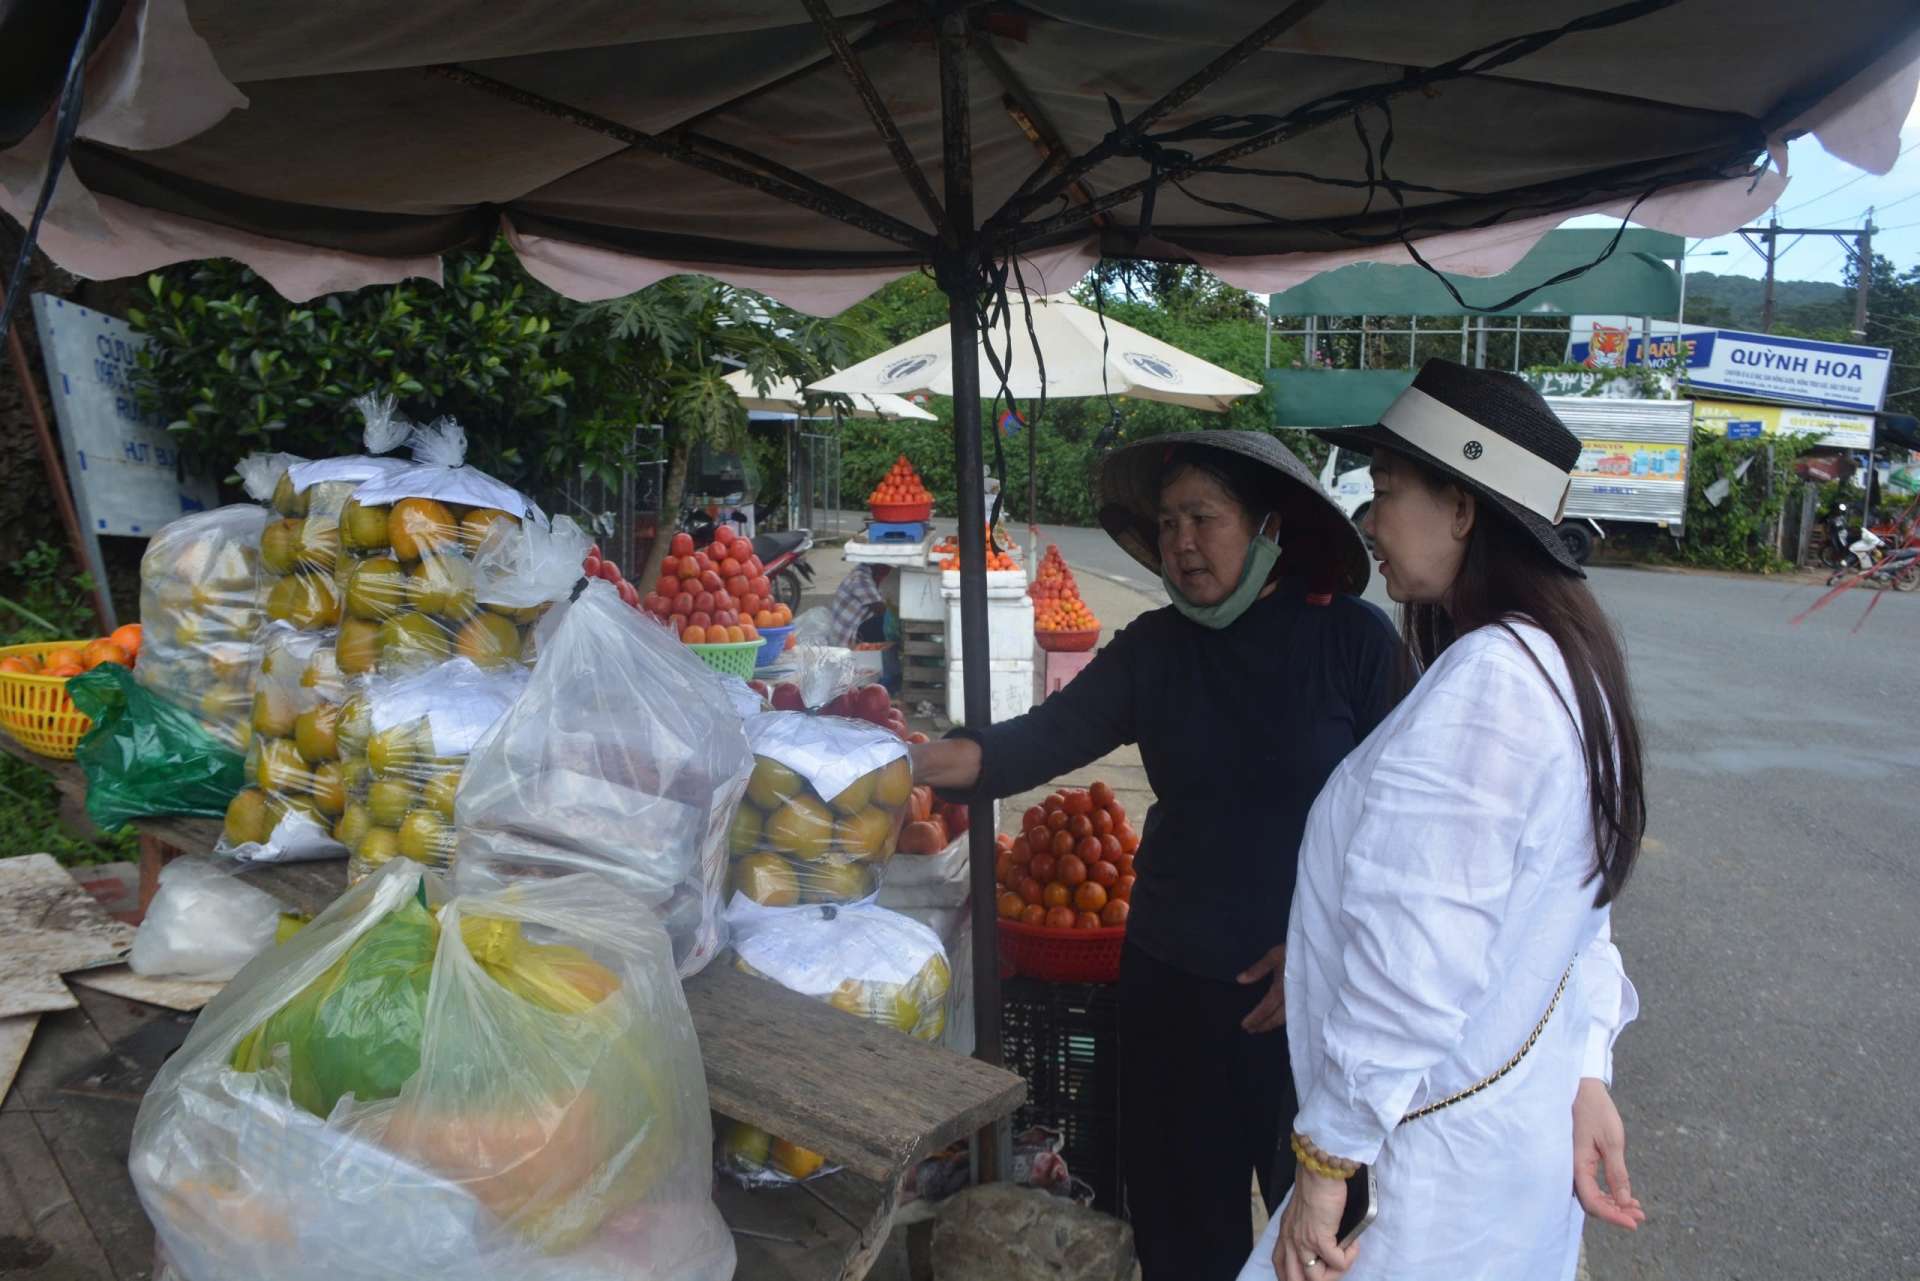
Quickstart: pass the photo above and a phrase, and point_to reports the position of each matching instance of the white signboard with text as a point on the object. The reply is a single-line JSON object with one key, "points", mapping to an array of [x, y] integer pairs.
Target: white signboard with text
{"points": [[1800, 370], [122, 465]]}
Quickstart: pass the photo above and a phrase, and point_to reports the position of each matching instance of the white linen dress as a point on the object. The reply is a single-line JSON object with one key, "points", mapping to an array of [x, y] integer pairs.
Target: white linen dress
{"points": [[1443, 891]]}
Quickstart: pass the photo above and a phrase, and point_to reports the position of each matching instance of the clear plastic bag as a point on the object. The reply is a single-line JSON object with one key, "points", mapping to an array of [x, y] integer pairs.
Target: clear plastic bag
{"points": [[405, 571], [296, 784], [199, 609], [863, 959], [203, 924], [511, 1091], [403, 747], [823, 809], [623, 758]]}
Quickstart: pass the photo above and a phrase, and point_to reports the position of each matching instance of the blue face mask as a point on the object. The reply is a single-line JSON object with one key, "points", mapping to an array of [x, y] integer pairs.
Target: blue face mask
{"points": [[1263, 553]]}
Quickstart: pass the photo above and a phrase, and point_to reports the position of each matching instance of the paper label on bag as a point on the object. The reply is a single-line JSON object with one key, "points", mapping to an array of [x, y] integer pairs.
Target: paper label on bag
{"points": [[467, 486], [830, 752], [356, 468], [812, 950]]}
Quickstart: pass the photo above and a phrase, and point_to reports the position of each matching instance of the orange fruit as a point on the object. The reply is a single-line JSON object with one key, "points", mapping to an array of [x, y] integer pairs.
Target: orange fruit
{"points": [[735, 636], [63, 670], [419, 526], [1072, 868], [65, 656], [1054, 894], [1010, 905], [1060, 918], [127, 637], [1087, 921], [1037, 915], [694, 636], [1090, 896], [15, 663], [1114, 913], [105, 651]]}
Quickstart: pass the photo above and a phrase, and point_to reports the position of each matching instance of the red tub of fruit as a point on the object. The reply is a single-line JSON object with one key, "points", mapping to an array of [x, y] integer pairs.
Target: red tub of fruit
{"points": [[1065, 885]]}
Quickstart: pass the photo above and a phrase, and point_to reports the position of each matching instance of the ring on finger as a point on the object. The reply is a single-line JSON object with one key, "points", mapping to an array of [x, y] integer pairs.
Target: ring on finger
{"points": [[1314, 1262]]}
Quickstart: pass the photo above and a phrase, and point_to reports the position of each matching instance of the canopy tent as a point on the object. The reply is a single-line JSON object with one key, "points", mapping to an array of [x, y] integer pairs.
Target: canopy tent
{"points": [[616, 143], [1081, 353], [786, 396], [1633, 280]]}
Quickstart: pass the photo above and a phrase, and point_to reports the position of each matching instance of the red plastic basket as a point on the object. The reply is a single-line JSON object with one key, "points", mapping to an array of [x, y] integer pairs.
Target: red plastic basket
{"points": [[900, 513], [1069, 642], [1062, 956]]}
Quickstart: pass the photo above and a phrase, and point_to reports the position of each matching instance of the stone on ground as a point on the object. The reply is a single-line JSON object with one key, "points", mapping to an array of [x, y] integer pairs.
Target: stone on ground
{"points": [[998, 1232]]}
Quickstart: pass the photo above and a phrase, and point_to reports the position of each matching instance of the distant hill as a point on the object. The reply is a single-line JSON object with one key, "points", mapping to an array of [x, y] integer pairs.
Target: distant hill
{"points": [[1734, 302]]}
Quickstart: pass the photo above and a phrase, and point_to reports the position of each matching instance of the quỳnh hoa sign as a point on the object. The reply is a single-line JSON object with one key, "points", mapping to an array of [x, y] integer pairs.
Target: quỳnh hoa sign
{"points": [[123, 465], [1837, 375]]}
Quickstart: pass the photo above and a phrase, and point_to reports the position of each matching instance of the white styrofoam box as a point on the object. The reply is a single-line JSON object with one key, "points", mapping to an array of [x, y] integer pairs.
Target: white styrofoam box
{"points": [[1010, 682], [1009, 629], [866, 553], [869, 663], [920, 598], [1001, 583]]}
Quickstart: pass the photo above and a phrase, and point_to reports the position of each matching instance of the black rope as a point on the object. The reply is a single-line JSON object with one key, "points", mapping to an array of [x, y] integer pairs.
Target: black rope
{"points": [[65, 123]]}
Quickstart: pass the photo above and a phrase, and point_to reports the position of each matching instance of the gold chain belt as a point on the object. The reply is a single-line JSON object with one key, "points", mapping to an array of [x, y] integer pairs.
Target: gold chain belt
{"points": [[1511, 1063]]}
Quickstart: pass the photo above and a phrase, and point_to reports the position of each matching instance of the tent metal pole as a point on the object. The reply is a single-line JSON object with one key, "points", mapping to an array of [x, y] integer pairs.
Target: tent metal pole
{"points": [[959, 276]]}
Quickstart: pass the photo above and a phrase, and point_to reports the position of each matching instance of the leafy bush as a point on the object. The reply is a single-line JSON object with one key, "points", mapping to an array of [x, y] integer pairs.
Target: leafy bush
{"points": [[1736, 534]]}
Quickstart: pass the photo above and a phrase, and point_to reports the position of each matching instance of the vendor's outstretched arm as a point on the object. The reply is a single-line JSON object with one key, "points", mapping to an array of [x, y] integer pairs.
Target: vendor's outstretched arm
{"points": [[948, 763]]}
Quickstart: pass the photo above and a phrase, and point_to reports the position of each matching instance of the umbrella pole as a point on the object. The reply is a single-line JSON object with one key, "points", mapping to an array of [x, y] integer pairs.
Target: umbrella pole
{"points": [[956, 269]]}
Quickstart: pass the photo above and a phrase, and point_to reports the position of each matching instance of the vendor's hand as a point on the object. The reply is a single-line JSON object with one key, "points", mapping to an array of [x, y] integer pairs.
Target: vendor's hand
{"points": [[947, 762], [1272, 1010], [1600, 1141], [1310, 1229]]}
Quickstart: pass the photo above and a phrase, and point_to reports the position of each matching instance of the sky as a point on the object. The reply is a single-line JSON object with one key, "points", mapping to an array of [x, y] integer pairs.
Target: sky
{"points": [[1825, 192]]}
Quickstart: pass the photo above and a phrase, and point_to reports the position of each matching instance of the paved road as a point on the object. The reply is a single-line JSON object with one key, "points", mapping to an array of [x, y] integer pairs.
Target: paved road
{"points": [[1769, 1086]]}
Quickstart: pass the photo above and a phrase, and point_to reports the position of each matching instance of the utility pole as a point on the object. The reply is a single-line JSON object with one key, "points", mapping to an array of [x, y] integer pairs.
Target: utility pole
{"points": [[1773, 243], [1863, 284]]}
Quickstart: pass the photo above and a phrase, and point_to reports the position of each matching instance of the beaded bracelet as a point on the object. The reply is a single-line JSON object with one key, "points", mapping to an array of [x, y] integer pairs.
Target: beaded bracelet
{"points": [[1318, 1162]]}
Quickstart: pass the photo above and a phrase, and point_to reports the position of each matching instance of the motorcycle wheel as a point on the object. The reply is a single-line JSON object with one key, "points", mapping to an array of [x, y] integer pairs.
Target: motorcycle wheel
{"points": [[1829, 555], [786, 589], [1907, 579]]}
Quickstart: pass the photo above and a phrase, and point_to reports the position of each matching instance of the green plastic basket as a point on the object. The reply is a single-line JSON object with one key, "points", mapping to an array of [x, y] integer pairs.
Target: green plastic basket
{"points": [[730, 659]]}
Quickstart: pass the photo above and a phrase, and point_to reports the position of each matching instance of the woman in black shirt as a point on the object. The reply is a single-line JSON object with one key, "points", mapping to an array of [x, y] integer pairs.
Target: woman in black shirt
{"points": [[1243, 695]]}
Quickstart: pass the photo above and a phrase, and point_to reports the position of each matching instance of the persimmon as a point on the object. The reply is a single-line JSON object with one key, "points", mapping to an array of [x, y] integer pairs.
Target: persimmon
{"points": [[1034, 817], [1101, 795], [1072, 870], [1061, 918], [1062, 847], [1080, 825], [1129, 839], [1003, 869], [1123, 889], [1039, 840], [1054, 804], [1103, 874], [1022, 850], [1114, 913], [1011, 905], [1090, 897], [1056, 895], [1087, 921], [1037, 915], [1028, 890], [1087, 850], [1117, 812], [1078, 802], [694, 636], [1059, 820], [1101, 822], [1110, 849], [1044, 867]]}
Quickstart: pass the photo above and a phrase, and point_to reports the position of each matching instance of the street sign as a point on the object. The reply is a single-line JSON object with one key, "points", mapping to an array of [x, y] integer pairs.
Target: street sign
{"points": [[1743, 421], [1799, 370], [122, 465]]}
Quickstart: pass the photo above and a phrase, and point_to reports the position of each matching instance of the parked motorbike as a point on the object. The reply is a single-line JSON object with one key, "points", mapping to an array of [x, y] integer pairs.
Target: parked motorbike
{"points": [[1840, 537]]}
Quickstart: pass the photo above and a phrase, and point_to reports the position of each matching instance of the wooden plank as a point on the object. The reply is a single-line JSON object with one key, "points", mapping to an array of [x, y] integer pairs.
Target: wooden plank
{"points": [[48, 926], [833, 1219], [174, 994], [16, 1034], [304, 887], [860, 1094]]}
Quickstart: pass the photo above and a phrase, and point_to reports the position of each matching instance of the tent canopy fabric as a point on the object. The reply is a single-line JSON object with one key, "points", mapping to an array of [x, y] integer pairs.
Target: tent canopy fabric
{"points": [[1634, 281], [1081, 358], [786, 396], [339, 144]]}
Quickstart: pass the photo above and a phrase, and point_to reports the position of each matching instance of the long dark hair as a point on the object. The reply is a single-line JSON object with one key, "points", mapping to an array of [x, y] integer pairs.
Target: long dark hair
{"points": [[1508, 577]]}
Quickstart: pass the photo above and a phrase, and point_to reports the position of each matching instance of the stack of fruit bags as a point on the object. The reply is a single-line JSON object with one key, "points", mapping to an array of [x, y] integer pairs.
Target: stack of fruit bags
{"points": [[870, 962], [496, 1087], [625, 757], [375, 580]]}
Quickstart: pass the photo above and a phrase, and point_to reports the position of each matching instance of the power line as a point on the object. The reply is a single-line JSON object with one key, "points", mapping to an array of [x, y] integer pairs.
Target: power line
{"points": [[1843, 186]]}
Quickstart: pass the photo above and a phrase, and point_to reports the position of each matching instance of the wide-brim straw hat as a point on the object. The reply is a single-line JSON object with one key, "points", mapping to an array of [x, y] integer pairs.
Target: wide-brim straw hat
{"points": [[1491, 432], [1126, 487]]}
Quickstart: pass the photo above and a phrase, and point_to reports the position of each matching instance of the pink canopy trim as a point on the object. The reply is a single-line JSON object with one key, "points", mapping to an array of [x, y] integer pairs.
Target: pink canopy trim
{"points": [[588, 274], [1860, 121], [1696, 210], [143, 239]]}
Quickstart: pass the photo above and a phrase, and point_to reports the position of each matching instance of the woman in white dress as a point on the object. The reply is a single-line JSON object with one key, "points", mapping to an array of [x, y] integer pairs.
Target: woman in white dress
{"points": [[1451, 986]]}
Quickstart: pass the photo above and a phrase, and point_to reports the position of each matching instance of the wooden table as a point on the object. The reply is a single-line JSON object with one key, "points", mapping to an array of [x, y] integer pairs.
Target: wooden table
{"points": [[865, 1097]]}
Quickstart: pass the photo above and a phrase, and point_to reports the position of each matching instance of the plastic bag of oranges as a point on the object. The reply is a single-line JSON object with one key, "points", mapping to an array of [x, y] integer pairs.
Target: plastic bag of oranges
{"points": [[823, 810], [624, 757], [296, 781], [407, 538], [403, 746], [200, 608], [872, 963]]}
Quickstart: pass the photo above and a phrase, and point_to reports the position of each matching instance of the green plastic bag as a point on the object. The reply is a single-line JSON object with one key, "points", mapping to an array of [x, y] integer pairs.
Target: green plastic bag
{"points": [[355, 1029], [143, 756]]}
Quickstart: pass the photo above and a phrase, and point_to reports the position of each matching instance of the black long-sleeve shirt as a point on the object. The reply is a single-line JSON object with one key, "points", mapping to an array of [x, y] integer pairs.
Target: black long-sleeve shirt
{"points": [[1238, 729]]}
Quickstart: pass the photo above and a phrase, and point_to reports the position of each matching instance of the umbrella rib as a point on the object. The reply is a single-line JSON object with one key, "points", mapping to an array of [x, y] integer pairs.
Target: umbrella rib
{"points": [[1033, 122], [1320, 112], [877, 111], [1026, 199], [789, 186]]}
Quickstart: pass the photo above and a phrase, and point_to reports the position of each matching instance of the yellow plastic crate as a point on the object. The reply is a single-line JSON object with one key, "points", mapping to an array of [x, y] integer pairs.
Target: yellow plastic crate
{"points": [[36, 709]]}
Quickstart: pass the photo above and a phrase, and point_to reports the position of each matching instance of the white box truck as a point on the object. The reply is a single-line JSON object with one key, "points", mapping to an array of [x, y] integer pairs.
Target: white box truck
{"points": [[1633, 468]]}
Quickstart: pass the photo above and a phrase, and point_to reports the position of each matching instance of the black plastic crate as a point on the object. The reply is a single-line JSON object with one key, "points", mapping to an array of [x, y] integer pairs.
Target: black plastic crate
{"points": [[1065, 1039]]}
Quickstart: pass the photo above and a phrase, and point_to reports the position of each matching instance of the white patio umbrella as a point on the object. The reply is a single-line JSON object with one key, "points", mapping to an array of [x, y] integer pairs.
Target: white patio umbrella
{"points": [[785, 396], [1080, 360]]}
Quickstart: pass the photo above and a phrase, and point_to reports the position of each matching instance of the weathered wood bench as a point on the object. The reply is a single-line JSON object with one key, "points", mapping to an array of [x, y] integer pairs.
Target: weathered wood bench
{"points": [[868, 1099]]}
